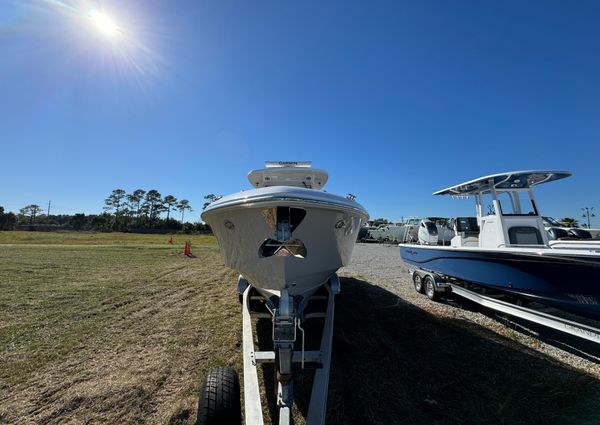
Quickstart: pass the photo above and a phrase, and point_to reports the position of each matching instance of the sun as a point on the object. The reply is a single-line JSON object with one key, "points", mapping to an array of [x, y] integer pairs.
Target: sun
{"points": [[105, 24]]}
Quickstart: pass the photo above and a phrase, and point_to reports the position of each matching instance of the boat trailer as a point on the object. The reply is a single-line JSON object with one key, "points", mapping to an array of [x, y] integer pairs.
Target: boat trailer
{"points": [[432, 285], [287, 318]]}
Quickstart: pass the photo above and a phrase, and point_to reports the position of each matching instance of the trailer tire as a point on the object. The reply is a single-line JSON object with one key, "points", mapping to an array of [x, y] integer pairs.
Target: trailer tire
{"points": [[219, 402], [418, 282], [430, 289]]}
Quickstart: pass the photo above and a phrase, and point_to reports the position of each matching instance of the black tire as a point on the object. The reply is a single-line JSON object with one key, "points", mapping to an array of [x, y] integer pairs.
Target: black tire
{"points": [[219, 402], [418, 282], [430, 289]]}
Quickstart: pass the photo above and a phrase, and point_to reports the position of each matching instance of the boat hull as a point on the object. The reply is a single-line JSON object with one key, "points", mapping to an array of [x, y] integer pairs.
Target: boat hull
{"points": [[567, 280], [327, 232]]}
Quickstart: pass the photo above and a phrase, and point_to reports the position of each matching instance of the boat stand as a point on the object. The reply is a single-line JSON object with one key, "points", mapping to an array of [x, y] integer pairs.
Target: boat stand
{"points": [[540, 316], [287, 318]]}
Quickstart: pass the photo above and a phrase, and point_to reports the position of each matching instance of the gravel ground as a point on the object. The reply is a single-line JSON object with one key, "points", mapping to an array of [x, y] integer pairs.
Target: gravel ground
{"points": [[381, 265]]}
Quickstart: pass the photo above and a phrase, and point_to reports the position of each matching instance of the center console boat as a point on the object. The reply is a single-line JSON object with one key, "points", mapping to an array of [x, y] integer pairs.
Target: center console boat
{"points": [[505, 248]]}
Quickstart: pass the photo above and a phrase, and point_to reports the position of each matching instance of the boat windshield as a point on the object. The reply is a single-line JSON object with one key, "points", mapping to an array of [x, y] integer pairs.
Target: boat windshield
{"points": [[440, 221], [516, 203]]}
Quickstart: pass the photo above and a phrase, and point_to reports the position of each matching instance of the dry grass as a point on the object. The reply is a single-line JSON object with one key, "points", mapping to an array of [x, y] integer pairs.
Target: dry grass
{"points": [[112, 335], [125, 333], [101, 238]]}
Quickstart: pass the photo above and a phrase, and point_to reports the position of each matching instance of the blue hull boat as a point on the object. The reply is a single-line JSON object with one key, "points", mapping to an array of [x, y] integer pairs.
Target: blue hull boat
{"points": [[564, 280], [506, 246]]}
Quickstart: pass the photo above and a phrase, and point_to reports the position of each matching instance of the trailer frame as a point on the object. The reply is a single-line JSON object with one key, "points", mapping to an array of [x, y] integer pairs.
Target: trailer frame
{"points": [[321, 358], [492, 302]]}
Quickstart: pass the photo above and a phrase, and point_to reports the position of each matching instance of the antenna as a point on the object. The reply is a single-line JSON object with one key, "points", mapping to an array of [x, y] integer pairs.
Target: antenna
{"points": [[48, 214], [293, 164]]}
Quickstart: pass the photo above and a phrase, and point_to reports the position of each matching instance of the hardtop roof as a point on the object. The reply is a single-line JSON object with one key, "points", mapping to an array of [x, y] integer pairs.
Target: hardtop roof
{"points": [[504, 181]]}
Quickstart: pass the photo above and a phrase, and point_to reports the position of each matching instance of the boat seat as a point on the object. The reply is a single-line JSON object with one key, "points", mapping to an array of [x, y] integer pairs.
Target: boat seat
{"points": [[525, 235], [470, 241], [467, 232]]}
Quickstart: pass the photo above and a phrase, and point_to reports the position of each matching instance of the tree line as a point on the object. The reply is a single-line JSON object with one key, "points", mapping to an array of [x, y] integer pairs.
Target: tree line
{"points": [[143, 208], [138, 211]]}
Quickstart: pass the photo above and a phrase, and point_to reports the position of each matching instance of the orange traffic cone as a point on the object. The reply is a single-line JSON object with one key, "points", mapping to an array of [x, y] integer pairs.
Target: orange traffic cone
{"points": [[188, 250]]}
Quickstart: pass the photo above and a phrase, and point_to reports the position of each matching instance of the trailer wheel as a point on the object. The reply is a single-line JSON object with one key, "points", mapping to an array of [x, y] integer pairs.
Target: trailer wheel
{"points": [[418, 282], [430, 291], [219, 402]]}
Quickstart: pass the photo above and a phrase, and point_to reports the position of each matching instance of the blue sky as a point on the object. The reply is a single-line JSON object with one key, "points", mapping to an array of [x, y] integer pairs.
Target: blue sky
{"points": [[395, 99]]}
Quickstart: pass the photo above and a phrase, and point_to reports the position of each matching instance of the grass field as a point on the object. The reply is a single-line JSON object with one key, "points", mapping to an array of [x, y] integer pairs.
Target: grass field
{"points": [[121, 334], [118, 328], [101, 238]]}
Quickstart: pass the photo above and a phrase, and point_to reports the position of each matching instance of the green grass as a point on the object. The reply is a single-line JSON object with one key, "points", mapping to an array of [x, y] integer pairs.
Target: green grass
{"points": [[100, 238], [120, 334]]}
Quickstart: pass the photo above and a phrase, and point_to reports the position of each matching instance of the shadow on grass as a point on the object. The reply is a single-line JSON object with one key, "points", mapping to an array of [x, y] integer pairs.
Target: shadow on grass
{"points": [[394, 363]]}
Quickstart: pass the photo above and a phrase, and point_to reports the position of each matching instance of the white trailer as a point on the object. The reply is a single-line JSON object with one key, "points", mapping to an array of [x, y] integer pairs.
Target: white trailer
{"points": [[432, 285], [219, 402]]}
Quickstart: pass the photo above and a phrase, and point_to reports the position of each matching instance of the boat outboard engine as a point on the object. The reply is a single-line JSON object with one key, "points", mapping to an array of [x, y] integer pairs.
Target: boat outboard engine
{"points": [[428, 233], [557, 233], [580, 233]]}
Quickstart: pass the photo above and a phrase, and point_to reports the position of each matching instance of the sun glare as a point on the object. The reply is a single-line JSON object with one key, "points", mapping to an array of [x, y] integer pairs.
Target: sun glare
{"points": [[105, 24]]}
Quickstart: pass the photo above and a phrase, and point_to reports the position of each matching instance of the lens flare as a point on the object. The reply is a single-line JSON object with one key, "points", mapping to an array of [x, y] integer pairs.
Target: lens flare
{"points": [[105, 24], [122, 44]]}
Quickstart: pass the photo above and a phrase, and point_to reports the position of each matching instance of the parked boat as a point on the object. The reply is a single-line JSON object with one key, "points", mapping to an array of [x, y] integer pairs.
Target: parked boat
{"points": [[286, 233], [287, 238], [435, 231], [408, 230], [561, 236], [505, 248], [396, 232]]}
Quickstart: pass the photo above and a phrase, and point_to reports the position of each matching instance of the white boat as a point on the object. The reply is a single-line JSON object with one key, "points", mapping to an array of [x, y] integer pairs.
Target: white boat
{"points": [[435, 231], [287, 238], [286, 233], [505, 248], [411, 231], [396, 232]]}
